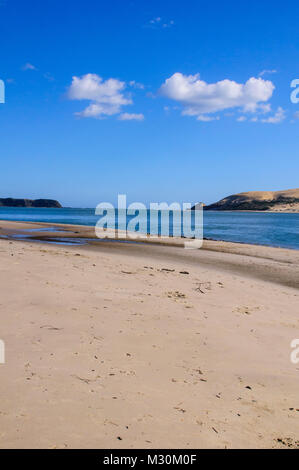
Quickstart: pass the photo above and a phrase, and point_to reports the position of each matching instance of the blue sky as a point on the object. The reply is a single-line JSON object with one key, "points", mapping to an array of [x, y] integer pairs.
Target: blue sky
{"points": [[171, 101]]}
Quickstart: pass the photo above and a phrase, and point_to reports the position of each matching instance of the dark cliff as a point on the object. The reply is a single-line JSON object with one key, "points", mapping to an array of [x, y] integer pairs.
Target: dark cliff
{"points": [[11, 202]]}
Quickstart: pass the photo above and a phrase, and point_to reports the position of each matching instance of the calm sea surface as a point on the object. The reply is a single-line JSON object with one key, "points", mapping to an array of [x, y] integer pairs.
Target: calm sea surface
{"points": [[273, 229]]}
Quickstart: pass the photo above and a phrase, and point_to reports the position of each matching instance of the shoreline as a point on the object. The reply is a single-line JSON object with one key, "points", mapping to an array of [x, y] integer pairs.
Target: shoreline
{"points": [[270, 264], [19, 227], [205, 210]]}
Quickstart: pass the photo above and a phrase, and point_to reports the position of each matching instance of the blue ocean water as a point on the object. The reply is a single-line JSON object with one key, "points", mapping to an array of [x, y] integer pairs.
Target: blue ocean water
{"points": [[263, 228]]}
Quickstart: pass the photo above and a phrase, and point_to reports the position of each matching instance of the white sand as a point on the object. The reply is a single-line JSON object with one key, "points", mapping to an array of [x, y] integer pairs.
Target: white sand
{"points": [[106, 349]]}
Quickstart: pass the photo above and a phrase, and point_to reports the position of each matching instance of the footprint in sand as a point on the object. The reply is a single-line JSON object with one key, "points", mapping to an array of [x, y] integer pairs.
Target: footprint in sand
{"points": [[246, 310], [202, 287], [175, 295]]}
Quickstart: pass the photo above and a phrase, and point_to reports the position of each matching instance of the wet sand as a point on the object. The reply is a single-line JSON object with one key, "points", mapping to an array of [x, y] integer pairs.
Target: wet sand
{"points": [[141, 345]]}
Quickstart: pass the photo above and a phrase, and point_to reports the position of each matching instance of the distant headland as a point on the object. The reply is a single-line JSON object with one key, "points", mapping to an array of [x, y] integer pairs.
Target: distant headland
{"points": [[11, 202], [274, 201]]}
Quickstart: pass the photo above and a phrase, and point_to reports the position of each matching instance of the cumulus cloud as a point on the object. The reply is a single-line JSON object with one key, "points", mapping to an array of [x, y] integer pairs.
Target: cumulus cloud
{"points": [[28, 66], [200, 98], [242, 119], [106, 96], [131, 117], [267, 72], [279, 116], [95, 110]]}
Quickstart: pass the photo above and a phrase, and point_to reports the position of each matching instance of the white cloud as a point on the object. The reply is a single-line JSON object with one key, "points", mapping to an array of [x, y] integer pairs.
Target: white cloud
{"points": [[106, 97], [131, 117], [296, 115], [168, 24], [28, 66], [279, 116], [267, 72], [264, 108], [204, 118], [95, 110], [137, 85], [199, 98], [242, 119], [158, 22], [49, 77]]}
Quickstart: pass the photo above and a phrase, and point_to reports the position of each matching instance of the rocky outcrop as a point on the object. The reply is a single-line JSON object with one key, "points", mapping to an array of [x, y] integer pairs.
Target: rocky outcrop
{"points": [[278, 201], [11, 202]]}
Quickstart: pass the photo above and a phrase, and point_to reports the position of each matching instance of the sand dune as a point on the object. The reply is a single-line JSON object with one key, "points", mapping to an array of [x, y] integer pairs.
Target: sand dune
{"points": [[271, 195], [277, 201]]}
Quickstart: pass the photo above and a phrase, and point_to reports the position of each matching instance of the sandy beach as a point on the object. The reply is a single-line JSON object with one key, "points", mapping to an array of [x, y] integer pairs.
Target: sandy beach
{"points": [[139, 345]]}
